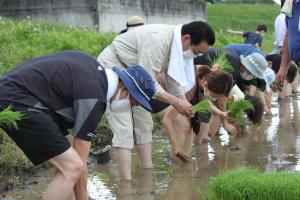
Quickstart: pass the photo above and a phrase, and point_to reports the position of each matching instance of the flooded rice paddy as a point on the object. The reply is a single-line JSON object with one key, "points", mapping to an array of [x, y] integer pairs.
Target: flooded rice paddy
{"points": [[274, 145]]}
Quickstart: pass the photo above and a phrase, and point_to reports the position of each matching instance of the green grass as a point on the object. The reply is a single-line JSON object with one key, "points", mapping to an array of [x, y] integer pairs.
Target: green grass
{"points": [[243, 17], [26, 39], [250, 184], [202, 107]]}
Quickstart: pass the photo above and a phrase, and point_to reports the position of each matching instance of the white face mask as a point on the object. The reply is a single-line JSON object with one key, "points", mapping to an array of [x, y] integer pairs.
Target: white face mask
{"points": [[246, 76], [120, 105], [189, 54], [207, 95]]}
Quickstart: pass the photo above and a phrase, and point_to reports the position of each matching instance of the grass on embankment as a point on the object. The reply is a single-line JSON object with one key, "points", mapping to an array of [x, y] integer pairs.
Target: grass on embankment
{"points": [[251, 184], [25, 39], [242, 17]]}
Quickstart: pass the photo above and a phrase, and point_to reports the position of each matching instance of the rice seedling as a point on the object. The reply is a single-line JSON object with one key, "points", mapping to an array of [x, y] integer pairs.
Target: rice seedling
{"points": [[249, 183], [202, 107], [9, 118], [237, 108], [222, 62]]}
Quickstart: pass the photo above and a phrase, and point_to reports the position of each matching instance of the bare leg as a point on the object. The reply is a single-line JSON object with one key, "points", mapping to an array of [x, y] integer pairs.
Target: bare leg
{"points": [[57, 171], [295, 84], [183, 133], [123, 159], [145, 155], [282, 94], [69, 168], [214, 125], [145, 185], [203, 133], [187, 146]]}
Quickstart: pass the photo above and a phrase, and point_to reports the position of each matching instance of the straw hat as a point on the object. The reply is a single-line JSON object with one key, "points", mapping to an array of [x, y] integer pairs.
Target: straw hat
{"points": [[134, 21]]}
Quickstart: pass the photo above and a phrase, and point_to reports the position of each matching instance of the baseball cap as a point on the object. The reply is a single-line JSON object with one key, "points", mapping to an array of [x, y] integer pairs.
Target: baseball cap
{"points": [[139, 84]]}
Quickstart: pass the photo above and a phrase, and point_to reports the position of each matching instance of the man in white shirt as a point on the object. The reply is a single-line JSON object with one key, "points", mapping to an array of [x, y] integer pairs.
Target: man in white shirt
{"points": [[158, 48], [280, 30]]}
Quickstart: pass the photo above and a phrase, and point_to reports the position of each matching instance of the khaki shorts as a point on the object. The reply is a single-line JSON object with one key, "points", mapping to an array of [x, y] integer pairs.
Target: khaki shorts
{"points": [[125, 133]]}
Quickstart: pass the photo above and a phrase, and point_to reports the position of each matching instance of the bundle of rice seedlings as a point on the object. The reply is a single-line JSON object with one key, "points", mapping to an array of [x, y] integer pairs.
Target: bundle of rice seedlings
{"points": [[202, 107], [9, 118], [249, 183], [223, 63], [237, 108]]}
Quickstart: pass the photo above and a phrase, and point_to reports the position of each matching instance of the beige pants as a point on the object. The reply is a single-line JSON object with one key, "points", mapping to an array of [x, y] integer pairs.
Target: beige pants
{"points": [[125, 133]]}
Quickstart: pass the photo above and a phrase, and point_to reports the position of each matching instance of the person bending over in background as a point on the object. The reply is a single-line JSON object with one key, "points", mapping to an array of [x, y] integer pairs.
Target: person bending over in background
{"points": [[254, 38]]}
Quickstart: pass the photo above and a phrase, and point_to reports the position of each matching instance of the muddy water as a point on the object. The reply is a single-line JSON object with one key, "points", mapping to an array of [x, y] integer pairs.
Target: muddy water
{"points": [[272, 146]]}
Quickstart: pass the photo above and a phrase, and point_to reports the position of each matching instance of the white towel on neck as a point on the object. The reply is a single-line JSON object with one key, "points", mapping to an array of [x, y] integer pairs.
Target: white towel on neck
{"points": [[181, 69], [287, 8]]}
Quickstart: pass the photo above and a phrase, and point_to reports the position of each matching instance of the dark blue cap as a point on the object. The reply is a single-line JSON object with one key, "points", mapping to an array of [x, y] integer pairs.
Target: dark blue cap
{"points": [[139, 84]]}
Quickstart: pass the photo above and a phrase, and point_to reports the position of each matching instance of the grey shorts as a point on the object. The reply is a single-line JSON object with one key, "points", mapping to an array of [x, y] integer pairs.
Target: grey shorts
{"points": [[129, 128]]}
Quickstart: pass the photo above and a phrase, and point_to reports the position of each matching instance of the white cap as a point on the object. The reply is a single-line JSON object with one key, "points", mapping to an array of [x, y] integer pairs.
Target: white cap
{"points": [[134, 21], [269, 77], [255, 63]]}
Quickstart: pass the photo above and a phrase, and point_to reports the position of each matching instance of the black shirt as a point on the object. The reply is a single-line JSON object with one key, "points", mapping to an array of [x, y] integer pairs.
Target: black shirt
{"points": [[71, 84]]}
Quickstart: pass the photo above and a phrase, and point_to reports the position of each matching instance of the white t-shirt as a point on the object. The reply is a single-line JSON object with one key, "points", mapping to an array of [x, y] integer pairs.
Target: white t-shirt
{"points": [[236, 93], [280, 29]]}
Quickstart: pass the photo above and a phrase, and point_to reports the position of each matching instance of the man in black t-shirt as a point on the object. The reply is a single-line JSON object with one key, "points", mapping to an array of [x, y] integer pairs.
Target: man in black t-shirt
{"points": [[61, 91], [254, 38]]}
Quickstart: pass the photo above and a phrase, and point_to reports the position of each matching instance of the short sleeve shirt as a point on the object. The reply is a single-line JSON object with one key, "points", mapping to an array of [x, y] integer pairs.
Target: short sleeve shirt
{"points": [[252, 38], [70, 84], [243, 49]]}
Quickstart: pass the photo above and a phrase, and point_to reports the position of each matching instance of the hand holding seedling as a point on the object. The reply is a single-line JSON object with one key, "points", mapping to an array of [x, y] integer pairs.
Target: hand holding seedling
{"points": [[237, 108], [221, 63], [184, 108], [215, 67]]}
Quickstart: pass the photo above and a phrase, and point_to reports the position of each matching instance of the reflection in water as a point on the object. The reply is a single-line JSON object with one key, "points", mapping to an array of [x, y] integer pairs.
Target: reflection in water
{"points": [[271, 146], [97, 189]]}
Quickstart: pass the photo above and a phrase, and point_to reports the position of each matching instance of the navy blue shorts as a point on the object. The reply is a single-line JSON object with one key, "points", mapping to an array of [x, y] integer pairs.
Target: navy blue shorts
{"points": [[38, 135]]}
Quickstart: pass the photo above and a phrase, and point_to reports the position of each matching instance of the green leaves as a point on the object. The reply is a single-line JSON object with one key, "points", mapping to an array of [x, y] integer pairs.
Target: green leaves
{"points": [[26, 39], [9, 118], [202, 107], [223, 63], [237, 108], [249, 183]]}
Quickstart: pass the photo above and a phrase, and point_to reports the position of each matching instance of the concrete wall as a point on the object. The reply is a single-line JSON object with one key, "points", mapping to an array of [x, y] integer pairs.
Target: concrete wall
{"points": [[105, 15], [73, 12], [113, 14]]}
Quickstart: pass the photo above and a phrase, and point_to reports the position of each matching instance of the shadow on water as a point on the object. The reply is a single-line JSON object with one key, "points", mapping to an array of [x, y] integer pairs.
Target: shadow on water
{"points": [[274, 145]]}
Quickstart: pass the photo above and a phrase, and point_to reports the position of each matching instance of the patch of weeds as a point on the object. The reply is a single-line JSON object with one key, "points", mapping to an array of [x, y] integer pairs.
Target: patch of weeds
{"points": [[251, 184]]}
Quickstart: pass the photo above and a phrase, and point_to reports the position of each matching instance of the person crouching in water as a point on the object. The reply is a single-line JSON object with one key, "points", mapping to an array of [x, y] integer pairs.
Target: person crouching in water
{"points": [[178, 128], [236, 92]]}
